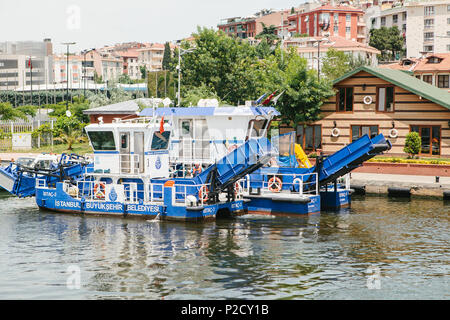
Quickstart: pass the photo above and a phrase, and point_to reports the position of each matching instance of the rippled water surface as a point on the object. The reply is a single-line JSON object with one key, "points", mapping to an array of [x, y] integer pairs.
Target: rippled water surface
{"points": [[379, 249]]}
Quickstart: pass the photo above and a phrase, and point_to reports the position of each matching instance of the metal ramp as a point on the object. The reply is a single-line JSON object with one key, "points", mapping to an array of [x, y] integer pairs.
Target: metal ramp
{"points": [[350, 157], [21, 181], [242, 161]]}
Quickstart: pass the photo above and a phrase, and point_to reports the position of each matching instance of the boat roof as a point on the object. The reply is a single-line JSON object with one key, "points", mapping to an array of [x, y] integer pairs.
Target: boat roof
{"points": [[209, 111]]}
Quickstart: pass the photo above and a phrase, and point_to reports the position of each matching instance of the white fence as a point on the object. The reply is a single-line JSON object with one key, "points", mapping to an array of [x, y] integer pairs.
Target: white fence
{"points": [[8, 128]]}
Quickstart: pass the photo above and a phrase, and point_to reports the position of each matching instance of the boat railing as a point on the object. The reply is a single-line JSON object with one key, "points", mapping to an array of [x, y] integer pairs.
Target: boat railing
{"points": [[129, 163], [301, 184], [190, 194], [41, 183], [182, 194]]}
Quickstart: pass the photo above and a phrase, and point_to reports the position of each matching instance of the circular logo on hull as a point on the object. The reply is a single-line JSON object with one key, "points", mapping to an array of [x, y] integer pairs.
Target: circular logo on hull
{"points": [[113, 195], [158, 163]]}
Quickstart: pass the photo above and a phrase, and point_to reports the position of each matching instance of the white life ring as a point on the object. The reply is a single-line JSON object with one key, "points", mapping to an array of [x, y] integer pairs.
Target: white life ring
{"points": [[335, 132], [393, 133], [368, 100]]}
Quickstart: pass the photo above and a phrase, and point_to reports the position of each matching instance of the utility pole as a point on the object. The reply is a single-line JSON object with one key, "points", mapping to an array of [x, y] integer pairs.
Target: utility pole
{"points": [[180, 53], [67, 72]]}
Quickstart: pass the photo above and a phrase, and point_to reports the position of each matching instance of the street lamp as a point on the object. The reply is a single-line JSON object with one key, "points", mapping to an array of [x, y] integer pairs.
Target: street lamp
{"points": [[318, 41], [67, 71], [85, 52], [180, 53]]}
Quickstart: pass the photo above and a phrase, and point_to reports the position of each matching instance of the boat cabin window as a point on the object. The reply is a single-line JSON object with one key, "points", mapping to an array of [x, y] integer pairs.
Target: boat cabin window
{"points": [[102, 140], [258, 127], [124, 141], [160, 141]]}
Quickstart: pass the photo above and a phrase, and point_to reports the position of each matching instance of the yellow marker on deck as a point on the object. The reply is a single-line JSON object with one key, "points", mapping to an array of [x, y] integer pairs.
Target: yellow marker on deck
{"points": [[302, 158]]}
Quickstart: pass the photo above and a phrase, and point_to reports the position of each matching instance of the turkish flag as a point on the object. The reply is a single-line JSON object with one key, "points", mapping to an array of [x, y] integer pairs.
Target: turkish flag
{"points": [[161, 126], [30, 65], [267, 101]]}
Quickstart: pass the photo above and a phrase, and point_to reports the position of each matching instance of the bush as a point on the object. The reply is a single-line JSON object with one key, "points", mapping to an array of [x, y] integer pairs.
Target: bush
{"points": [[413, 144]]}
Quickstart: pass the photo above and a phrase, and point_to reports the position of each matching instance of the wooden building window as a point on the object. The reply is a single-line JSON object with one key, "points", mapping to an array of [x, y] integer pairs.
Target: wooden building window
{"points": [[443, 81], [344, 99], [310, 137], [428, 78], [358, 131], [431, 138], [385, 99]]}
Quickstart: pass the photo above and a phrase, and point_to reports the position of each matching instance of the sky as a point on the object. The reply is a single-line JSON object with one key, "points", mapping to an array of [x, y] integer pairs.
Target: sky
{"points": [[95, 23]]}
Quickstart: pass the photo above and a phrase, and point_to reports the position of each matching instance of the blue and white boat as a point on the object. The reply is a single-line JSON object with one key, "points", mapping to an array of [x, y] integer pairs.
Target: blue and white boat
{"points": [[190, 164], [130, 176], [202, 135]]}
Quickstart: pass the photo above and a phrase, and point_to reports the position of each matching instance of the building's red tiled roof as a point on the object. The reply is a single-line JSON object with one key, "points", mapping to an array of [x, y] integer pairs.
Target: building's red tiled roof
{"points": [[328, 7], [335, 42], [444, 65], [422, 64]]}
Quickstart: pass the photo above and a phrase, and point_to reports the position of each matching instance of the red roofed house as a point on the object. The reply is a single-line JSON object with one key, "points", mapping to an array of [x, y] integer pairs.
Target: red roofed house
{"points": [[307, 48], [343, 21], [434, 68], [130, 63]]}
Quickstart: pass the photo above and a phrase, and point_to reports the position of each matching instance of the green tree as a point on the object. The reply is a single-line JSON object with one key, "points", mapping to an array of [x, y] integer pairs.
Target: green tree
{"points": [[224, 64], [7, 112], [268, 33], [125, 79], [193, 95], [167, 59], [388, 40], [335, 64], [69, 131], [413, 144], [28, 110], [304, 93]]}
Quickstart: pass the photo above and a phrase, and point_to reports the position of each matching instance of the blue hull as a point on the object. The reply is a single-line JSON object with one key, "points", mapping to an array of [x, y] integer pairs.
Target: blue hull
{"points": [[59, 201], [267, 205], [331, 200]]}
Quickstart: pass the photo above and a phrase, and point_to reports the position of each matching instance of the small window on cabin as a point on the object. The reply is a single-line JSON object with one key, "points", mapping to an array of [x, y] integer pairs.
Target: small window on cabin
{"points": [[160, 141], [345, 99], [123, 141], [186, 128], [102, 140], [385, 99]]}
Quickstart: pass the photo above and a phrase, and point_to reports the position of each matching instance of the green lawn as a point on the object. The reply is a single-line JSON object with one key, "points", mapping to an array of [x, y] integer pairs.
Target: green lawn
{"points": [[79, 148]]}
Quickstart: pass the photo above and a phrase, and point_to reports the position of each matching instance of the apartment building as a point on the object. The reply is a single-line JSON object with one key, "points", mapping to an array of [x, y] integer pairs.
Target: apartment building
{"points": [[333, 20], [24, 61], [425, 25], [131, 65], [75, 69], [152, 56], [250, 26], [307, 48]]}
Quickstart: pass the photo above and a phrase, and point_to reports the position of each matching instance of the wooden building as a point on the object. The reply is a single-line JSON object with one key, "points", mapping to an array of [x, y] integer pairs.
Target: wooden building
{"points": [[372, 100]]}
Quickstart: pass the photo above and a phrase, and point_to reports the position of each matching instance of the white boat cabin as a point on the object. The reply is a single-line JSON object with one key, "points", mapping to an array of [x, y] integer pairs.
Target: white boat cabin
{"points": [[130, 148], [203, 135]]}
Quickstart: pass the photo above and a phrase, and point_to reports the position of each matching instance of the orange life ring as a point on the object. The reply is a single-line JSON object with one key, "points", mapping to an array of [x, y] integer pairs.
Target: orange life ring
{"points": [[203, 194], [99, 194], [232, 148], [196, 170], [275, 185], [237, 188]]}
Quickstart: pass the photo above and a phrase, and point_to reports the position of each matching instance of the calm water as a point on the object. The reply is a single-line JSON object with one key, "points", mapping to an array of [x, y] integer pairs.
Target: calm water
{"points": [[399, 249]]}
